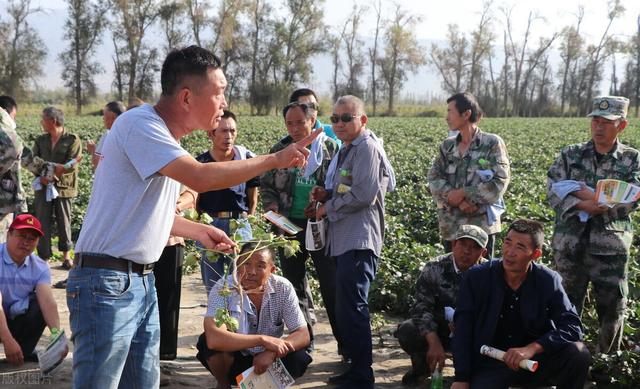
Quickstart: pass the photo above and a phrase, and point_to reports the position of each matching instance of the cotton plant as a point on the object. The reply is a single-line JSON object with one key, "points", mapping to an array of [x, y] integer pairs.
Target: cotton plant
{"points": [[260, 236]]}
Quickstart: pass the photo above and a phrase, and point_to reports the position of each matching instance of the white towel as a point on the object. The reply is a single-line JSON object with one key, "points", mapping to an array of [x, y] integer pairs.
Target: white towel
{"points": [[315, 156], [564, 188], [51, 192]]}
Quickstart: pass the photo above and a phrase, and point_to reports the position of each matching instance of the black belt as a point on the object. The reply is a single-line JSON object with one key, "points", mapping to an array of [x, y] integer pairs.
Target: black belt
{"points": [[228, 214], [102, 261]]}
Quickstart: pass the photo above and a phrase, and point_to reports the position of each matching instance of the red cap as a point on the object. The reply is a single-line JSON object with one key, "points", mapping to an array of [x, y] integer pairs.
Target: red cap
{"points": [[26, 222]]}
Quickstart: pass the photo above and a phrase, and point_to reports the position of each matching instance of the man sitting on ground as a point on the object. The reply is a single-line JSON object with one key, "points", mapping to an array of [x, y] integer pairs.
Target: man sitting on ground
{"points": [[266, 305], [520, 307], [25, 292], [427, 334]]}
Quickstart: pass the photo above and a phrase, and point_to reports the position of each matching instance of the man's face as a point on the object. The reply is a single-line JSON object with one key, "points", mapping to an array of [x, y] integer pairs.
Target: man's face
{"points": [[310, 99], [466, 253], [208, 99], [455, 120], [48, 124], [21, 243], [108, 118], [224, 137], [349, 131], [255, 271], [298, 125], [518, 252], [604, 132], [13, 113]]}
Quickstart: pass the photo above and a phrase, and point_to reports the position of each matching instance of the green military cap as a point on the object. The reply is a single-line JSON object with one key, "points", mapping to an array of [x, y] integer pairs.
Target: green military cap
{"points": [[474, 233], [610, 107]]}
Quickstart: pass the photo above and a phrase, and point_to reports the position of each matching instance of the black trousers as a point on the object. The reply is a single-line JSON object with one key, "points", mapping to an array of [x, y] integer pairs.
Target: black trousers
{"points": [[295, 362], [27, 328], [168, 275], [415, 344], [294, 269], [566, 369]]}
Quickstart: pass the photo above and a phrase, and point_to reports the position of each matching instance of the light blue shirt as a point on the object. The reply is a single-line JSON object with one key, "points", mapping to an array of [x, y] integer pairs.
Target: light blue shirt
{"points": [[18, 282]]}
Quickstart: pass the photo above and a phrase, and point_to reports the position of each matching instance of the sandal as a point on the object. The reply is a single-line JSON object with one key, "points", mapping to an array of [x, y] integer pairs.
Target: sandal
{"points": [[61, 284], [67, 264]]}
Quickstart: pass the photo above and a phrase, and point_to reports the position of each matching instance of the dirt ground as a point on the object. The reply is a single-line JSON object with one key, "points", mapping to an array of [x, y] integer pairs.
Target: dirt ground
{"points": [[390, 362]]}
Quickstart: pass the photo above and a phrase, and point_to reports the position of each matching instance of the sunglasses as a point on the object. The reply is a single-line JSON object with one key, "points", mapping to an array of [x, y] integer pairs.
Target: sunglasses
{"points": [[345, 118]]}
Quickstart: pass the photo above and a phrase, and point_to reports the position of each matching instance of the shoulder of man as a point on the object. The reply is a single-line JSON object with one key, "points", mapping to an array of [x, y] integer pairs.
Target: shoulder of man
{"points": [[204, 157], [282, 143], [490, 138]]}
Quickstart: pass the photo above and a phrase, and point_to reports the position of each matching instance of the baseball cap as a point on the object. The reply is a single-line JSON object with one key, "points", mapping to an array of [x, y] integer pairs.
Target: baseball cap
{"points": [[26, 222], [474, 233], [610, 107]]}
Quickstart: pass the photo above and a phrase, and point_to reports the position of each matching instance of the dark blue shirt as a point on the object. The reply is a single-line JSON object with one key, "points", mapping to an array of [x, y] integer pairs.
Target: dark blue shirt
{"points": [[223, 200], [509, 330]]}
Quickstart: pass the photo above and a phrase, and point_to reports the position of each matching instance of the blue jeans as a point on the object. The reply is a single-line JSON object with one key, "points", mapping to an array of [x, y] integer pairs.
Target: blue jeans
{"points": [[211, 272], [115, 329], [356, 269]]}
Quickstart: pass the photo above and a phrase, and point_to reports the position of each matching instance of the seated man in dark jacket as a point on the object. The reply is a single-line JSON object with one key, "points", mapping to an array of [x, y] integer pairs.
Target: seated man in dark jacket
{"points": [[520, 307]]}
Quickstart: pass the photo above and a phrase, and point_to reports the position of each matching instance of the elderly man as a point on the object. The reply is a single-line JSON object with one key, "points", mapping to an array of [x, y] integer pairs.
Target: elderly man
{"points": [[353, 198], [60, 146], [25, 292], [470, 173], [131, 215], [13, 154], [427, 334], [308, 97], [591, 242], [266, 304], [520, 307]]}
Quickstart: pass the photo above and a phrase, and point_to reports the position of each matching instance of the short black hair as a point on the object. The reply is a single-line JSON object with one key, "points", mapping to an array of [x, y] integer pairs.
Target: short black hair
{"points": [[226, 114], [54, 113], [251, 246], [306, 109], [298, 93], [465, 101], [533, 228], [116, 107], [181, 63], [8, 103]]}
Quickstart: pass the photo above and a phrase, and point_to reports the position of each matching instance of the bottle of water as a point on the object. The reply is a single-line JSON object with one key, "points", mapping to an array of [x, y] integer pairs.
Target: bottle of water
{"points": [[436, 379]]}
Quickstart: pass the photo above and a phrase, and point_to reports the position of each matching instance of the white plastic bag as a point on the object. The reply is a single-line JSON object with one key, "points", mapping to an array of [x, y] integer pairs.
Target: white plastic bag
{"points": [[316, 234]]}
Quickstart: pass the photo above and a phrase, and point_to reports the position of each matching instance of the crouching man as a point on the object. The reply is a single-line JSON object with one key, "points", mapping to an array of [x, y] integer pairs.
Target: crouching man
{"points": [[518, 306], [25, 292], [267, 304], [427, 334]]}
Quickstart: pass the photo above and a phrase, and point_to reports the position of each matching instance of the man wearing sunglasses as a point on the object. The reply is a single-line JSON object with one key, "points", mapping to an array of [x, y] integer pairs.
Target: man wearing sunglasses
{"points": [[353, 201]]}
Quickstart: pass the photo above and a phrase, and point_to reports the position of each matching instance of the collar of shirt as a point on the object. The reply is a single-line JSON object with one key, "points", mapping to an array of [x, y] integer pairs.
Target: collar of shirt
{"points": [[455, 267], [616, 152], [9, 261]]}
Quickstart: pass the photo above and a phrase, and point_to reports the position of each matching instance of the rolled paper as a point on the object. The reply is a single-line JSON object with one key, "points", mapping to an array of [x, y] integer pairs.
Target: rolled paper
{"points": [[526, 364]]}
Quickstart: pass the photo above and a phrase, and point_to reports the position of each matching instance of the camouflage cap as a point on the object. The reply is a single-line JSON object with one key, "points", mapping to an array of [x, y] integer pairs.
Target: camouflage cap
{"points": [[474, 233], [610, 107]]}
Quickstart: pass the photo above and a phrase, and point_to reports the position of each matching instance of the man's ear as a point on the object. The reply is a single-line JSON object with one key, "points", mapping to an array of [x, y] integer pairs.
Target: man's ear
{"points": [[185, 98], [537, 253], [364, 119], [484, 252], [622, 125]]}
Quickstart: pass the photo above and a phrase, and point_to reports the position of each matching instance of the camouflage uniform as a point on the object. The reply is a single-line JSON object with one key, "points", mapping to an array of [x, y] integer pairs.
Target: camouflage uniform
{"points": [[436, 288], [12, 155], [276, 186], [596, 250], [450, 170]]}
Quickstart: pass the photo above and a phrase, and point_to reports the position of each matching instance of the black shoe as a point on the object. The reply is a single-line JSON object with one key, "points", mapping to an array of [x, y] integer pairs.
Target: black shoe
{"points": [[339, 379], [33, 357], [412, 377], [61, 284]]}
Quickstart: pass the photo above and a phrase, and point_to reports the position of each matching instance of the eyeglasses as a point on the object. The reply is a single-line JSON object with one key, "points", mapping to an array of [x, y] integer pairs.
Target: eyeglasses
{"points": [[345, 117]]}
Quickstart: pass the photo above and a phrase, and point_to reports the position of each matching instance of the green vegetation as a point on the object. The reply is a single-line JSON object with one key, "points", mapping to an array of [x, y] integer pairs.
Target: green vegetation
{"points": [[412, 234]]}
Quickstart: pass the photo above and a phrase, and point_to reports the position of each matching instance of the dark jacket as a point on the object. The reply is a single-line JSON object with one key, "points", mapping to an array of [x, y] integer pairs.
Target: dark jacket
{"points": [[548, 316]]}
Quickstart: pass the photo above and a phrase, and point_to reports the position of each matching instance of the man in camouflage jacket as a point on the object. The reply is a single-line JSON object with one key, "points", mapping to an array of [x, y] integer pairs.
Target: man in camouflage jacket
{"points": [[470, 174], [596, 250], [13, 154], [427, 333]]}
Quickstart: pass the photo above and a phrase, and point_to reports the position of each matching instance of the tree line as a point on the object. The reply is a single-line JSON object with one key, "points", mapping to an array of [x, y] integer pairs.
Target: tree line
{"points": [[268, 47]]}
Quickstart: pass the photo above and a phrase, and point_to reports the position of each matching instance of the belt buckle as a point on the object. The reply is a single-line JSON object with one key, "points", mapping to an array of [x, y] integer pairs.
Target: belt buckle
{"points": [[225, 214], [147, 268]]}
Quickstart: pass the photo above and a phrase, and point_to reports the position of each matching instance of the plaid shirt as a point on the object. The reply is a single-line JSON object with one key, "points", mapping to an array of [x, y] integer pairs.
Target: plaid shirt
{"points": [[280, 308]]}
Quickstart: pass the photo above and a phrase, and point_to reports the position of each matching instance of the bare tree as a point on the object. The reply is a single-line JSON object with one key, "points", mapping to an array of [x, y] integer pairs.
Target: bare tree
{"points": [[132, 20], [22, 52], [450, 61], [354, 54], [196, 9], [598, 53], [570, 50], [402, 53], [172, 13], [481, 39], [373, 56], [83, 29], [636, 84], [335, 44]]}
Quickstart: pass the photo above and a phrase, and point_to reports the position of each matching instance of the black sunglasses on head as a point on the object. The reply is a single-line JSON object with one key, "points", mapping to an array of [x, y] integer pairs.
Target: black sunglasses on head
{"points": [[345, 117]]}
